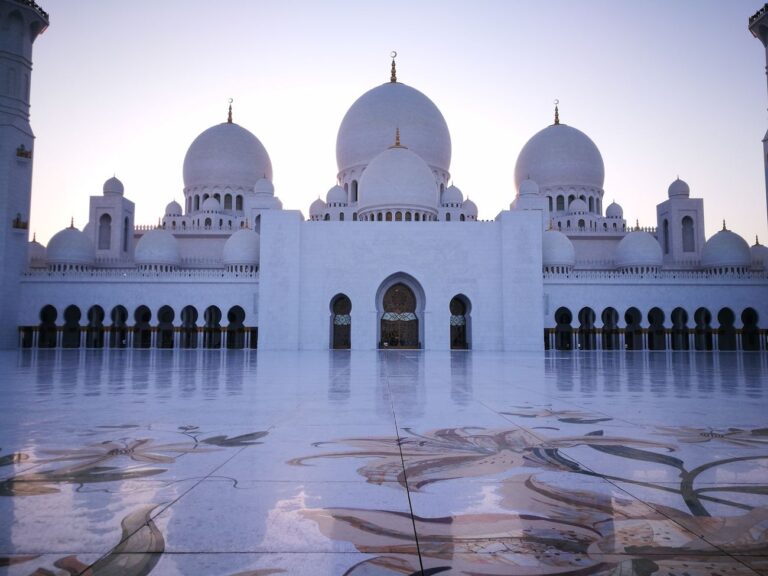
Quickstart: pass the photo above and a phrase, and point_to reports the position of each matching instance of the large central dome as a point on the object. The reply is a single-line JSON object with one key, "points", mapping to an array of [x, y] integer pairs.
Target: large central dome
{"points": [[226, 155], [560, 155], [369, 125]]}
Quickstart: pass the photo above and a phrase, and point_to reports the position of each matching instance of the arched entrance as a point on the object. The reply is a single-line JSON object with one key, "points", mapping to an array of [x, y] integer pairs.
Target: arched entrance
{"points": [[341, 323], [399, 322], [459, 308]]}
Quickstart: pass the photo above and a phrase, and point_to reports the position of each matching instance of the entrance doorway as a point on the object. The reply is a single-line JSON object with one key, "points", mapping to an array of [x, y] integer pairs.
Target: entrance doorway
{"points": [[399, 323]]}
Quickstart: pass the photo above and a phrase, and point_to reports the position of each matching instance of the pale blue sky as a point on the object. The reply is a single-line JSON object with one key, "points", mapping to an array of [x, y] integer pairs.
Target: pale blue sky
{"points": [[662, 87]]}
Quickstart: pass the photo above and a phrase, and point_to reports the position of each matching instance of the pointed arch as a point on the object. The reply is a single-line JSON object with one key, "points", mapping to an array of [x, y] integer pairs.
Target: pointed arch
{"points": [[400, 311]]}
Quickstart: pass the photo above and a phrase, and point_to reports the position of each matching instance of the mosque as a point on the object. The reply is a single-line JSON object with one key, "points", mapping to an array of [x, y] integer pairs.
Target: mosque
{"points": [[394, 257]]}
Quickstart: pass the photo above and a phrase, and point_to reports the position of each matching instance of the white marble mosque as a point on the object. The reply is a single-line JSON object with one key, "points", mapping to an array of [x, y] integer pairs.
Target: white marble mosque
{"points": [[608, 419], [231, 268]]}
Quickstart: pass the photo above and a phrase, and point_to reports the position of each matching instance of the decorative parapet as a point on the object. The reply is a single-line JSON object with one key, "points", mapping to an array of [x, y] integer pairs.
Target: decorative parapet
{"points": [[137, 275], [664, 276], [759, 14], [35, 6]]}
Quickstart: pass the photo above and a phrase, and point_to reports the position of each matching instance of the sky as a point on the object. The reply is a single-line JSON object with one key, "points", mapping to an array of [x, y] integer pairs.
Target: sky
{"points": [[664, 88]]}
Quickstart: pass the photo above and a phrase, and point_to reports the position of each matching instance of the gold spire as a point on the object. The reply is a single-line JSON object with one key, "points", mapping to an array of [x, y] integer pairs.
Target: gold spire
{"points": [[397, 137], [757, 240], [72, 222], [557, 112], [724, 228], [393, 75], [34, 237], [229, 116]]}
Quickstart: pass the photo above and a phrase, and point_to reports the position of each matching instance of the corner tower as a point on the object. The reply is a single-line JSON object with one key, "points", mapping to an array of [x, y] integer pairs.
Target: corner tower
{"points": [[21, 21], [758, 25]]}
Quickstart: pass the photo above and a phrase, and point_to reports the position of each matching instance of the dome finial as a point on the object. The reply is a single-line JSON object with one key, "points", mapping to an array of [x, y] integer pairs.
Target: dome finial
{"points": [[724, 228], [393, 76], [397, 136], [757, 240], [557, 112], [34, 237], [229, 116], [72, 222]]}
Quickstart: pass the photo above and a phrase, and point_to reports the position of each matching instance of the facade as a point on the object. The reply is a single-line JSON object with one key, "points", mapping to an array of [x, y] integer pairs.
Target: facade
{"points": [[232, 269]]}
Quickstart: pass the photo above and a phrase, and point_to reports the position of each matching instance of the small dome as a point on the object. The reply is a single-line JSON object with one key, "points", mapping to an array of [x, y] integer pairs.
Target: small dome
{"points": [[370, 123], [264, 186], [157, 247], [70, 246], [242, 248], [113, 187], [210, 204], [679, 188], [173, 209], [638, 248], [578, 206], [470, 209], [452, 195], [726, 248], [759, 255], [560, 155], [317, 208], [336, 195], [557, 249], [528, 188], [226, 155], [398, 178], [614, 211], [35, 253]]}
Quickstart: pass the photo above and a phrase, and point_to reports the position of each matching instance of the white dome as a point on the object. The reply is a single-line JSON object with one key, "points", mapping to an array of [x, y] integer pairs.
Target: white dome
{"points": [[226, 155], [157, 247], [35, 252], [470, 208], [557, 249], [369, 126], [70, 246], [638, 248], [679, 188], [398, 178], [452, 195], [560, 155], [336, 195], [264, 186], [578, 206], [317, 208], [759, 255], [173, 209], [528, 188], [242, 248], [614, 211], [113, 187], [210, 204], [726, 248]]}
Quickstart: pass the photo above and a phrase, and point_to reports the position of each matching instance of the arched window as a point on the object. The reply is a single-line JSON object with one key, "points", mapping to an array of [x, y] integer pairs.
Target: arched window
{"points": [[462, 218], [165, 318], [560, 202], [656, 333], [105, 232], [212, 328], [208, 223], [47, 329], [239, 202], [236, 328], [327, 217], [591, 204], [188, 327], [408, 216], [582, 224], [447, 216], [126, 232], [341, 216], [70, 337], [563, 330], [679, 329], [587, 333], [398, 216], [341, 322], [417, 217], [689, 239], [354, 191], [197, 202], [665, 234], [228, 202], [549, 201], [389, 217]]}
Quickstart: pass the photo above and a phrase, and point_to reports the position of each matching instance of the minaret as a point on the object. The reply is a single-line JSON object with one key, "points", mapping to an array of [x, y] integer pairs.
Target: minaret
{"points": [[758, 25], [21, 21]]}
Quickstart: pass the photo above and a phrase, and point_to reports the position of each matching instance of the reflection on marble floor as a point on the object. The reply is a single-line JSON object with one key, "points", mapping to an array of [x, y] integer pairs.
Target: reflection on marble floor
{"points": [[396, 463]]}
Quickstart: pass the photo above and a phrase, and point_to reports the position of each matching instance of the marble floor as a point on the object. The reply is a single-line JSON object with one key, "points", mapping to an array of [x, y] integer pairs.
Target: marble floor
{"points": [[383, 463]]}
